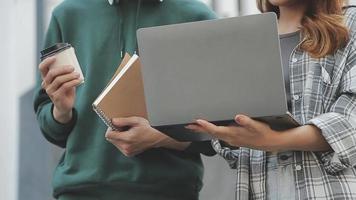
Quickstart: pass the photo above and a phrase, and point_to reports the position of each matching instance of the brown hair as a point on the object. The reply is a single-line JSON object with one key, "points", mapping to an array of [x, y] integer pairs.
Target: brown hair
{"points": [[323, 29]]}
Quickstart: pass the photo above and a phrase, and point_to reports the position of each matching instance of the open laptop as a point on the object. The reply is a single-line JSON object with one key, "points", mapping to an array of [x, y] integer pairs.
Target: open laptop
{"points": [[213, 70]]}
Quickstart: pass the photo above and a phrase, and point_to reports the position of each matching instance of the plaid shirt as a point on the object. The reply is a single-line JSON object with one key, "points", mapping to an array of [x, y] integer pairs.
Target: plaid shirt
{"points": [[323, 94]]}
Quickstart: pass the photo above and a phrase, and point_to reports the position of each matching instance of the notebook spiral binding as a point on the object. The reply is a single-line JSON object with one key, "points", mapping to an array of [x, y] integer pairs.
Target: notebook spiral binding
{"points": [[102, 116]]}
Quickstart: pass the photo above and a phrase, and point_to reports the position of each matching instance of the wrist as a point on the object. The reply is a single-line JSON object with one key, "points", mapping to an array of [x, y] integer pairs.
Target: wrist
{"points": [[164, 141], [62, 117], [280, 141], [161, 140]]}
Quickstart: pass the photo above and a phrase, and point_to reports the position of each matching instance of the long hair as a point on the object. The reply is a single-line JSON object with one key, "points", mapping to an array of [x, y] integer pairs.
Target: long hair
{"points": [[323, 29]]}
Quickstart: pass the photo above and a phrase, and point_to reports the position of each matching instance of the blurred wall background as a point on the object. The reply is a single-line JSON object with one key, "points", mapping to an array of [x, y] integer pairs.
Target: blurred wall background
{"points": [[26, 159]]}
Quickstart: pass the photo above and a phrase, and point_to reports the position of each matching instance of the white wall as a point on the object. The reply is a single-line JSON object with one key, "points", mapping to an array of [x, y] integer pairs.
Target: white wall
{"points": [[7, 116], [17, 22], [248, 7], [226, 8]]}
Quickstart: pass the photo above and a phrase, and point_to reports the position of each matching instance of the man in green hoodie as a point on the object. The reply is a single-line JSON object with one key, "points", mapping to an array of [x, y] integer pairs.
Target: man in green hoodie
{"points": [[149, 165]]}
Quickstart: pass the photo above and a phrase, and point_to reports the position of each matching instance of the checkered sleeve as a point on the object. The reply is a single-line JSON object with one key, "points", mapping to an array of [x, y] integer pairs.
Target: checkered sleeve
{"points": [[230, 155], [338, 124], [350, 16]]}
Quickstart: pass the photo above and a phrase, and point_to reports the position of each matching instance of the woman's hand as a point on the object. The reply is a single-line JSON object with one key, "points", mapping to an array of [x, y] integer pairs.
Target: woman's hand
{"points": [[139, 137], [59, 83], [249, 133]]}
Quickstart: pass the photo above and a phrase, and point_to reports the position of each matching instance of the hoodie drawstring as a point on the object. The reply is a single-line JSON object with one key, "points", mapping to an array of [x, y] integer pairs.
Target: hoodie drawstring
{"points": [[121, 40], [137, 26]]}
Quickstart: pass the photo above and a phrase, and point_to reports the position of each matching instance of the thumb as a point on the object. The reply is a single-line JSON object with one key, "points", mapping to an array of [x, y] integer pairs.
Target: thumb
{"points": [[123, 122], [245, 121]]}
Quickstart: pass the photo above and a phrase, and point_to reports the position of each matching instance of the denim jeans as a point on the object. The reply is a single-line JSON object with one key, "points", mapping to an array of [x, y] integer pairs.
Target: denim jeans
{"points": [[280, 177]]}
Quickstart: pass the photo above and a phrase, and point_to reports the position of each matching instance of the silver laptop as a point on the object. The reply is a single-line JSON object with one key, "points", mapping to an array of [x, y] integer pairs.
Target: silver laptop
{"points": [[213, 70]]}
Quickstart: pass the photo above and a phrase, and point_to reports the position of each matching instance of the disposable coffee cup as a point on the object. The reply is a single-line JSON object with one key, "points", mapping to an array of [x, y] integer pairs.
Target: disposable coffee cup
{"points": [[65, 55]]}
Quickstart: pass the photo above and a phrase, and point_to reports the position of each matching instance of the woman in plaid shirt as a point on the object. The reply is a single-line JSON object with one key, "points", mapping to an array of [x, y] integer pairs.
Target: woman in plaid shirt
{"points": [[316, 160]]}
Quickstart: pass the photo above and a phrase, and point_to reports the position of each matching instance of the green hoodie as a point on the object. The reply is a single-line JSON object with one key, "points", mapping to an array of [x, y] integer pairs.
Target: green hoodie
{"points": [[92, 168]]}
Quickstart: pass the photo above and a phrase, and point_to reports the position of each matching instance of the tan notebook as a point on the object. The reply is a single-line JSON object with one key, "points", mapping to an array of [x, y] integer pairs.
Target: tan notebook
{"points": [[124, 95]]}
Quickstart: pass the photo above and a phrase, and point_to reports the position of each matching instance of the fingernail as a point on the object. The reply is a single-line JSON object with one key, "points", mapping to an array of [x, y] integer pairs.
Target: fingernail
{"points": [[115, 120], [238, 118], [51, 58], [241, 118], [70, 68], [199, 121]]}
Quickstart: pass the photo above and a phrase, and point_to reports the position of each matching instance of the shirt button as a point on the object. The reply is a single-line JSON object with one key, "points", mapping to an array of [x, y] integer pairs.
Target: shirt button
{"points": [[284, 157], [294, 60], [296, 97], [298, 167]]}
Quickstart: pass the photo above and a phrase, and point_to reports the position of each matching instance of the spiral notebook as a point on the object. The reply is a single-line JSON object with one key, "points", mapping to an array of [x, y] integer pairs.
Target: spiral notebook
{"points": [[124, 95]]}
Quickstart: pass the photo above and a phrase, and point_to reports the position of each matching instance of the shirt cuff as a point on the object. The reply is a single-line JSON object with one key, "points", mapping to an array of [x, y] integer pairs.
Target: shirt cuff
{"points": [[54, 129], [340, 134], [230, 155]]}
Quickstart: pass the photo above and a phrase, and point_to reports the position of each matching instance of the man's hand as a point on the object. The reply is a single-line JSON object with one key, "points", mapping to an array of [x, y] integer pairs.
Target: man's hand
{"points": [[140, 137], [59, 83]]}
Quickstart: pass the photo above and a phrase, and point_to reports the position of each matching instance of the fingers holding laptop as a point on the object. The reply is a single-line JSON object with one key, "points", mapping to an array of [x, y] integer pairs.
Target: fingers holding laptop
{"points": [[137, 136], [249, 133], [221, 132]]}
